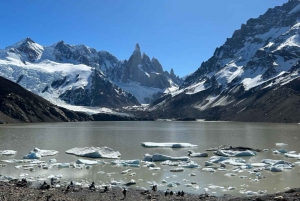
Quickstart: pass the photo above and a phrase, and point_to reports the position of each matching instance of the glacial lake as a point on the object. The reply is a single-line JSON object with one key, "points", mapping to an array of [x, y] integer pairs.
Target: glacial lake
{"points": [[126, 137]]}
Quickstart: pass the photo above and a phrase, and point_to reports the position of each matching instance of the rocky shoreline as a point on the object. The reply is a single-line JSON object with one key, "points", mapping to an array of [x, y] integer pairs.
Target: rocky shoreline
{"points": [[10, 191]]}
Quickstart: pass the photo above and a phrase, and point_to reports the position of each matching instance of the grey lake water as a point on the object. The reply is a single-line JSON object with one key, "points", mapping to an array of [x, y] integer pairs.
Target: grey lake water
{"points": [[126, 137]]}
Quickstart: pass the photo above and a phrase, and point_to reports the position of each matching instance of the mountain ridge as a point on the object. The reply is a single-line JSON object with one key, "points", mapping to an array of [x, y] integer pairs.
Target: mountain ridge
{"points": [[139, 72], [263, 54]]}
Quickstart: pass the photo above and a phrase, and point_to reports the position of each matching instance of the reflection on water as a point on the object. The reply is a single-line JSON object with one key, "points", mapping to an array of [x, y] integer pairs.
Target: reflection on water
{"points": [[126, 137]]}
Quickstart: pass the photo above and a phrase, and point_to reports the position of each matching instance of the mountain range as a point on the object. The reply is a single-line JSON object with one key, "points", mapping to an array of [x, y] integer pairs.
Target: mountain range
{"points": [[79, 75], [243, 78], [253, 76]]}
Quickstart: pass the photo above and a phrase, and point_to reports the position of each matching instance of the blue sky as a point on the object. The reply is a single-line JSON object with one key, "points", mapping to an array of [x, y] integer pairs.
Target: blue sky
{"points": [[181, 34]]}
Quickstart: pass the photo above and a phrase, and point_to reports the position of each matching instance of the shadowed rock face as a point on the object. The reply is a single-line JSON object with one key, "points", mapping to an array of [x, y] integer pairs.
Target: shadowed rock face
{"points": [[19, 105], [101, 93], [252, 77]]}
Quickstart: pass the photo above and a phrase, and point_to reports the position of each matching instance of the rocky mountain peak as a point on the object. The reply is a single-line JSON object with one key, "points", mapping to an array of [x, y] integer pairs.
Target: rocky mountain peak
{"points": [[137, 47]]}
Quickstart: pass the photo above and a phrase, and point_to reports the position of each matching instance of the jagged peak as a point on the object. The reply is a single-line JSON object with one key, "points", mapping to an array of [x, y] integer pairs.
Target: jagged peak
{"points": [[21, 42], [137, 47]]}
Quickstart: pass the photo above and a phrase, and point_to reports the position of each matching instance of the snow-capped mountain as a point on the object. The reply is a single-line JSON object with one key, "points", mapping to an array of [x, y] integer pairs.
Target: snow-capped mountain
{"points": [[262, 55], [80, 75], [31, 65]]}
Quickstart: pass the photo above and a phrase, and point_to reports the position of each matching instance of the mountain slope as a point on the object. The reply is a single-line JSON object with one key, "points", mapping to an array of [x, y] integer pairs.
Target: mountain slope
{"points": [[19, 105], [260, 57]]}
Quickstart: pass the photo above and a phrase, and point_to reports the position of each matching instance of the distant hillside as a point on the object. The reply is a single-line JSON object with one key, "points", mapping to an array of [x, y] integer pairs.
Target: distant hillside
{"points": [[19, 105]]}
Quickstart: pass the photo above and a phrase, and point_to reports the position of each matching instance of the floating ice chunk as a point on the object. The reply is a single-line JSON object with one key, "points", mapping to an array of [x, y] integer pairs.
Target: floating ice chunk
{"points": [[188, 185], [53, 160], [269, 161], [208, 169], [191, 153], [161, 157], [6, 178], [250, 193], [7, 152], [163, 181], [292, 155], [209, 163], [154, 168], [281, 144], [37, 153], [170, 163], [230, 188], [283, 151], [218, 159], [265, 149], [126, 171], [18, 166], [177, 170], [262, 192], [149, 164], [113, 182], [235, 161], [278, 162], [63, 165], [258, 164], [173, 184], [191, 164], [94, 152], [32, 155], [87, 162], [275, 169], [229, 153], [132, 163], [167, 145]]}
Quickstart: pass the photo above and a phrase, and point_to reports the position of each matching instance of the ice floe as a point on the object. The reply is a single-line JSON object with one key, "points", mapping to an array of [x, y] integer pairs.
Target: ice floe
{"points": [[94, 152], [173, 184], [7, 152], [37, 153], [161, 157], [86, 162], [167, 145], [131, 163], [229, 153], [281, 144], [177, 170], [191, 153], [290, 155]]}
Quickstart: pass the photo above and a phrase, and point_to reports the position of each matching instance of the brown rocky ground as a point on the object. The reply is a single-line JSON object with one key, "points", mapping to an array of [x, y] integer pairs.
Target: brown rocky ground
{"points": [[10, 192]]}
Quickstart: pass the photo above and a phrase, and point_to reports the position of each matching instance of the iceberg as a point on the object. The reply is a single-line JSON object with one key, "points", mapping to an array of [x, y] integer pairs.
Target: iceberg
{"points": [[281, 144], [37, 153], [229, 153], [63, 165], [292, 155], [86, 162], [167, 145], [191, 164], [131, 163], [170, 163], [7, 152], [208, 169], [173, 184], [161, 157], [191, 153], [32, 155], [227, 160], [176, 170], [94, 152]]}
